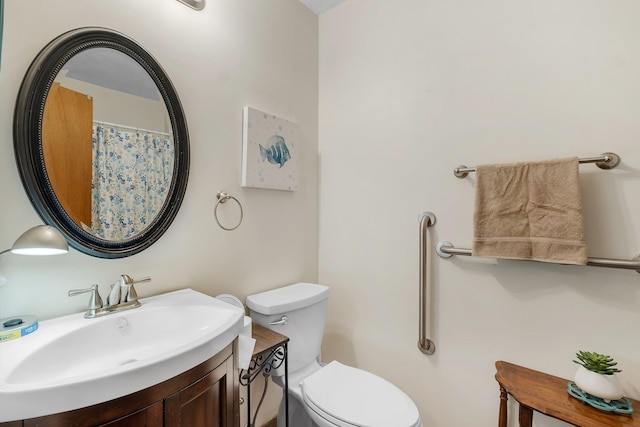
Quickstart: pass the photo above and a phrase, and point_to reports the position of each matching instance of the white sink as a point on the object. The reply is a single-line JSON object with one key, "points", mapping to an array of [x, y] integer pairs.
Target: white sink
{"points": [[71, 362]]}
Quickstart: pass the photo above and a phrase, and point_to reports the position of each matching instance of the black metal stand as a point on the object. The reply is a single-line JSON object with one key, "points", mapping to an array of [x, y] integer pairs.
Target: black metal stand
{"points": [[266, 361]]}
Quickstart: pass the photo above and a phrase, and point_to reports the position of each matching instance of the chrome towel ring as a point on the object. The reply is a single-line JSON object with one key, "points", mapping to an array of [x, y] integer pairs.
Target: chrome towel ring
{"points": [[223, 198]]}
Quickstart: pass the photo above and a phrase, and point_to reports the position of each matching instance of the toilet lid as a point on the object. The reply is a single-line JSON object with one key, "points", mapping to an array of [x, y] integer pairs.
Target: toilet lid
{"points": [[358, 398]]}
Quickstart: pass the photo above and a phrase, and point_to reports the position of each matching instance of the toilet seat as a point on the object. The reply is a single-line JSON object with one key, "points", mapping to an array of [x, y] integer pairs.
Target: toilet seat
{"points": [[351, 397]]}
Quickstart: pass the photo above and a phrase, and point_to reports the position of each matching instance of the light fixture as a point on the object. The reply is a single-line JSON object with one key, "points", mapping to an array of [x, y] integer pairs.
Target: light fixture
{"points": [[195, 4], [38, 240]]}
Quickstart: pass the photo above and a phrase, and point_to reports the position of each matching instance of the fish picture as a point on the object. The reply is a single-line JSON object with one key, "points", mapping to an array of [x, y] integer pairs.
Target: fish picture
{"points": [[275, 151], [270, 151]]}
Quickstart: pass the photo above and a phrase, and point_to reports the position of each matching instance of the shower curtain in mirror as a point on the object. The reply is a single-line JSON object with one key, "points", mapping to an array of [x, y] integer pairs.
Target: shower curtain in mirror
{"points": [[132, 170]]}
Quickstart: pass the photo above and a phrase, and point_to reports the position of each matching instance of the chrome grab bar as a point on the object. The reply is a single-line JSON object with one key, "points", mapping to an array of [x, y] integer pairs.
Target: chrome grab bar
{"points": [[446, 249], [427, 219]]}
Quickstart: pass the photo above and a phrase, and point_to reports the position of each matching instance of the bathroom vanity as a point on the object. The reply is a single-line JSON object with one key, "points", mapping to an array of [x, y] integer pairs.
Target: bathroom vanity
{"points": [[170, 362], [206, 395]]}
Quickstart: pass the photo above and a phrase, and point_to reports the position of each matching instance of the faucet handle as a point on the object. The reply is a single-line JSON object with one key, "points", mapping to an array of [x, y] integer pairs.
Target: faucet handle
{"points": [[95, 302], [131, 294], [129, 281]]}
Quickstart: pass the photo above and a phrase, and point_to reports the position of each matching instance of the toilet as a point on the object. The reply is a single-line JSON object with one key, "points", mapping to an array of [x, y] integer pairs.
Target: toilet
{"points": [[324, 395]]}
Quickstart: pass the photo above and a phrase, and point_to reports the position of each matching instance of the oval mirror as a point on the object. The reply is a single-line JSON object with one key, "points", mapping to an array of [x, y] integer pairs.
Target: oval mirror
{"points": [[101, 142]]}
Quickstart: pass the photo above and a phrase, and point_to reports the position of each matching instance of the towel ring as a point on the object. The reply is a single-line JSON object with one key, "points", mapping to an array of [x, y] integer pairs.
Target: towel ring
{"points": [[222, 198]]}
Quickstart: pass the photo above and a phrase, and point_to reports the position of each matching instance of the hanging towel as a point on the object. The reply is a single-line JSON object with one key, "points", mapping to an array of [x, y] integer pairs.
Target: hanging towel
{"points": [[530, 211]]}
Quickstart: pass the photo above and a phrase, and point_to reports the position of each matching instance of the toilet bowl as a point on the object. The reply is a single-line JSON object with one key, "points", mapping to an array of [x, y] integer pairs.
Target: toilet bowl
{"points": [[324, 395]]}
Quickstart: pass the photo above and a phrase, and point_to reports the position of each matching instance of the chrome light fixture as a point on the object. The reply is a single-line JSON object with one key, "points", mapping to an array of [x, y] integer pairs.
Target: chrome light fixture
{"points": [[195, 4], [38, 240]]}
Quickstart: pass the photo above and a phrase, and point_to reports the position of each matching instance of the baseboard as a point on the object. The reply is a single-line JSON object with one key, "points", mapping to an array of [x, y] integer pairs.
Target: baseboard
{"points": [[271, 423]]}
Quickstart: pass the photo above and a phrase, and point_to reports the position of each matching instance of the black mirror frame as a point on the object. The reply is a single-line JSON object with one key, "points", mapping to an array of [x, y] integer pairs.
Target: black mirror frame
{"points": [[27, 135]]}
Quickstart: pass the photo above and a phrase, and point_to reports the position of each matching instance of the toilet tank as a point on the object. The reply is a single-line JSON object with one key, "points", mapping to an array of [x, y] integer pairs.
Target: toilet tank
{"points": [[305, 306]]}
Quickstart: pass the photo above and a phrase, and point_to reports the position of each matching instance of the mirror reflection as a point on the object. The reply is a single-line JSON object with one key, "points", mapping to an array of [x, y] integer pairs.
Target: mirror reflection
{"points": [[107, 144]]}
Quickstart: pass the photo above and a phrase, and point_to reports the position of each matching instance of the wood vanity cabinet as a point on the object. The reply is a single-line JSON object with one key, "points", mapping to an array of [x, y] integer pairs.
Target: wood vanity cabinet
{"points": [[206, 395]]}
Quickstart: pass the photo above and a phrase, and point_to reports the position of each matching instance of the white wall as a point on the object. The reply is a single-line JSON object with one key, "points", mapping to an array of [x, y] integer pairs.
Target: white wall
{"points": [[231, 54], [409, 90]]}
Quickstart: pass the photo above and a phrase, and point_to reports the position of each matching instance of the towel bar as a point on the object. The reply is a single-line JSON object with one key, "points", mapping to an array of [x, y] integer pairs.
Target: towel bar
{"points": [[447, 250], [604, 161]]}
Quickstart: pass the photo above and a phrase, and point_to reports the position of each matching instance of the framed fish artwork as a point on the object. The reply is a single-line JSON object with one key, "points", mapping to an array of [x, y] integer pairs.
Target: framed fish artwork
{"points": [[269, 151]]}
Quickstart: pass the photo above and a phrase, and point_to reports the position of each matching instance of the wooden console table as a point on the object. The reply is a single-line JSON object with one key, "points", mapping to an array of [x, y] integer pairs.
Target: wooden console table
{"points": [[270, 352], [540, 392]]}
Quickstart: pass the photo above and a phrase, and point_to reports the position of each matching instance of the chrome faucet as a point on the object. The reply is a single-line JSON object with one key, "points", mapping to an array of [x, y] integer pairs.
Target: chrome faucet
{"points": [[123, 296]]}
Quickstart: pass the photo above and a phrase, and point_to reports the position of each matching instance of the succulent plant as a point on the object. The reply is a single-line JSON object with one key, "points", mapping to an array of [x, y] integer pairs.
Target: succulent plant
{"points": [[595, 362]]}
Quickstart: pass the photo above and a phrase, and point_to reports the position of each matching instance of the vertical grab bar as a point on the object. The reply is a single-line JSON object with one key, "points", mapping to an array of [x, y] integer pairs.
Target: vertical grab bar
{"points": [[427, 219]]}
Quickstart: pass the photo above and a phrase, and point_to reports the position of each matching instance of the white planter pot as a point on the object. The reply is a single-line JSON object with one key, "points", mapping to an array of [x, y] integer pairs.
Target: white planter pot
{"points": [[606, 387]]}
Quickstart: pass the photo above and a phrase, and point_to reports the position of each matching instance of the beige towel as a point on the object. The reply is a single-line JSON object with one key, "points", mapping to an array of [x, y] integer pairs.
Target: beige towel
{"points": [[530, 211]]}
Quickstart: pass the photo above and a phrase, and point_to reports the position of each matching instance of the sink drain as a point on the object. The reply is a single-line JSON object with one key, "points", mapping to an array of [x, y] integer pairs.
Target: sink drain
{"points": [[126, 362]]}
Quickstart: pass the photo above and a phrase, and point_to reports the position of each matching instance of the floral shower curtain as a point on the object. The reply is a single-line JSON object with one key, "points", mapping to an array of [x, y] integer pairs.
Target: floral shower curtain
{"points": [[132, 172]]}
